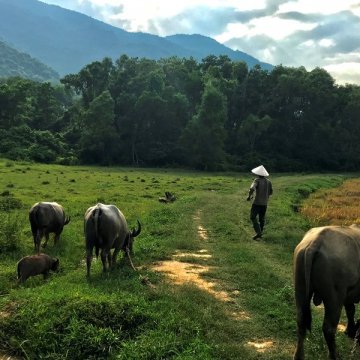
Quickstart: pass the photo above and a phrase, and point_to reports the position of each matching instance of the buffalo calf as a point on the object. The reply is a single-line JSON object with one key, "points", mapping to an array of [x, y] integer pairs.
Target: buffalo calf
{"points": [[35, 265]]}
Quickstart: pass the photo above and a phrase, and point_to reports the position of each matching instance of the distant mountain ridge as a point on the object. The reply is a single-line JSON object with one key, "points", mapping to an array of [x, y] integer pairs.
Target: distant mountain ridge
{"points": [[66, 40], [202, 44], [15, 63]]}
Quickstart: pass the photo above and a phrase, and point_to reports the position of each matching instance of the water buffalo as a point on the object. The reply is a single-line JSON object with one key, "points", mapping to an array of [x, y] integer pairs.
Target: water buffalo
{"points": [[327, 270], [45, 218], [35, 265], [105, 228]]}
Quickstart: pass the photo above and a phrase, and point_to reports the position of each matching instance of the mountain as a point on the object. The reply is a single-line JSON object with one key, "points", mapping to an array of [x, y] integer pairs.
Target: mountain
{"points": [[66, 40], [200, 45], [15, 63]]}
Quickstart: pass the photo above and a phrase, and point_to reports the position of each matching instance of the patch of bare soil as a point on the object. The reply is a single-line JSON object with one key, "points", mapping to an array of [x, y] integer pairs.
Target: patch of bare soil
{"points": [[202, 232], [8, 357], [239, 315], [4, 314], [182, 272], [201, 254], [7, 311], [261, 346]]}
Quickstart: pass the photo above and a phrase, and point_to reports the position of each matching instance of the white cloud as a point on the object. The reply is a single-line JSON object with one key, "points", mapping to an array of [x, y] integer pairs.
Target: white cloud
{"points": [[345, 72], [325, 7], [326, 42], [272, 26]]}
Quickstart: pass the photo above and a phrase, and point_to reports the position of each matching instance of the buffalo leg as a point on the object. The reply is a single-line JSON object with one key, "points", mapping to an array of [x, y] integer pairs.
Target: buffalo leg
{"points": [[331, 320], [114, 256], [37, 240], [301, 334], [350, 314], [46, 239], [88, 261], [35, 243], [109, 259], [34, 231], [57, 237], [104, 255]]}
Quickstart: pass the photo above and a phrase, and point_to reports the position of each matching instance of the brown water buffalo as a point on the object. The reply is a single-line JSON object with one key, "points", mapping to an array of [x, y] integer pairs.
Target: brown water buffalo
{"points": [[35, 265], [45, 218], [327, 270], [105, 228]]}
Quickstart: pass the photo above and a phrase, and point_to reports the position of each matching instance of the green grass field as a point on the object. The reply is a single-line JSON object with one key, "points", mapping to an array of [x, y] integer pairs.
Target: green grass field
{"points": [[146, 314]]}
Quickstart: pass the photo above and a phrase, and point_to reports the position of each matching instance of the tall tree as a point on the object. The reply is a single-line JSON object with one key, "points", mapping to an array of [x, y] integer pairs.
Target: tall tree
{"points": [[203, 138], [91, 81], [99, 137]]}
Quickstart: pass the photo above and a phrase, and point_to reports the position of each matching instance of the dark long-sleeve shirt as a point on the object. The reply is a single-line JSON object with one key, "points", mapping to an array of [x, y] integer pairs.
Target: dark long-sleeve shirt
{"points": [[263, 189]]}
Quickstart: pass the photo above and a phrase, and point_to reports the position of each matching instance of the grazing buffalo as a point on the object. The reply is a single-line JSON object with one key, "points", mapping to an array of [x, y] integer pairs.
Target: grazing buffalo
{"points": [[106, 228], [327, 270], [35, 265], [45, 218]]}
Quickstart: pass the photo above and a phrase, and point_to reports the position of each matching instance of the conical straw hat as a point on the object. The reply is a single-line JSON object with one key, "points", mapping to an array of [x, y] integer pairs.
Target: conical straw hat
{"points": [[260, 171]]}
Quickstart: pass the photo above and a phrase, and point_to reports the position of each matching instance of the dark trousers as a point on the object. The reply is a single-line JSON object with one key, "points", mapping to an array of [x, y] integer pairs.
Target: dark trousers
{"points": [[258, 210]]}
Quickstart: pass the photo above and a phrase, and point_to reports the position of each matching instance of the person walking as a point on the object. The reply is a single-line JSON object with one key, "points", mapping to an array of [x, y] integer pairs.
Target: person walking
{"points": [[263, 189]]}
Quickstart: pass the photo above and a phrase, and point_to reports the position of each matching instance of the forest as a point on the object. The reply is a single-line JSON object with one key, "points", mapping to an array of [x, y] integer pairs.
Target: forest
{"points": [[212, 115]]}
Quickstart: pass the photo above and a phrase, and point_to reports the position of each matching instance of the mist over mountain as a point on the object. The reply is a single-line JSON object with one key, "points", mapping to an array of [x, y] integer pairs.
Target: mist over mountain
{"points": [[66, 40]]}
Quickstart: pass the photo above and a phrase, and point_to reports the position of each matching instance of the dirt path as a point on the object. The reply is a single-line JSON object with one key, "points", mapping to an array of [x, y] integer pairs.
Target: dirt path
{"points": [[180, 273]]}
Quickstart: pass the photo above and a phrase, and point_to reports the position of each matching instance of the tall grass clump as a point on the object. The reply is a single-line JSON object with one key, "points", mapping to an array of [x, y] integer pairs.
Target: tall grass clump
{"points": [[76, 328], [10, 233], [9, 202], [338, 206]]}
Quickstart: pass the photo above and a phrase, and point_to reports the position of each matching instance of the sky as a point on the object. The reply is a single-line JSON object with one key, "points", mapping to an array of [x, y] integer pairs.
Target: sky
{"points": [[310, 33]]}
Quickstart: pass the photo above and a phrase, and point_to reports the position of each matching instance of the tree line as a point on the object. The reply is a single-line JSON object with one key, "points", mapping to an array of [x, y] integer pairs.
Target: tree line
{"points": [[216, 114]]}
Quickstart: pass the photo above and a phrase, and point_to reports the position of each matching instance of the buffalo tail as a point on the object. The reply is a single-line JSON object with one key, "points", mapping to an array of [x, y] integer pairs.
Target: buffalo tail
{"points": [[96, 218], [303, 292]]}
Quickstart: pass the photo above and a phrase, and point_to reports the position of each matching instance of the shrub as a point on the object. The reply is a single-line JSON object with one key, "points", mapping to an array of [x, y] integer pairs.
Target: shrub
{"points": [[10, 233], [9, 202]]}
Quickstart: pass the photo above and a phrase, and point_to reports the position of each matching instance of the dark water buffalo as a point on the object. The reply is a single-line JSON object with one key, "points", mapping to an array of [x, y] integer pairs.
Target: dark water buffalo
{"points": [[45, 218], [327, 270], [106, 228], [35, 265]]}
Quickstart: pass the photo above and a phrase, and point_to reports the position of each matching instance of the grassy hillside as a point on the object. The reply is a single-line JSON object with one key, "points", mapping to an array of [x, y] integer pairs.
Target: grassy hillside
{"points": [[238, 304], [15, 63]]}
